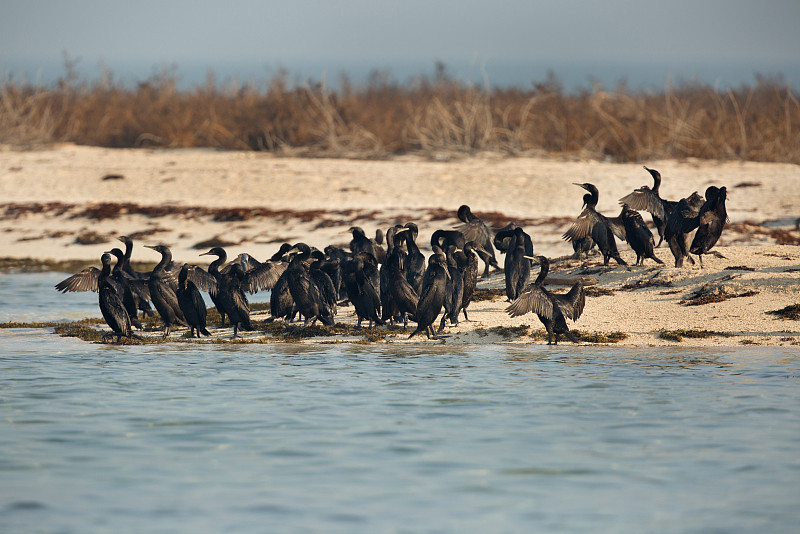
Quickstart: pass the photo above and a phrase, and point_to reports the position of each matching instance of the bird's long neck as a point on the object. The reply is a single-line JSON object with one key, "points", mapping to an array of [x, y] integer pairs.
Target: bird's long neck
{"points": [[544, 268], [166, 257], [214, 267]]}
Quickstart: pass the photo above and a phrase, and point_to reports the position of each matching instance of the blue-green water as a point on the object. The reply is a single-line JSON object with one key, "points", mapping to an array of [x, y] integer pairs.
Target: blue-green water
{"points": [[290, 438]]}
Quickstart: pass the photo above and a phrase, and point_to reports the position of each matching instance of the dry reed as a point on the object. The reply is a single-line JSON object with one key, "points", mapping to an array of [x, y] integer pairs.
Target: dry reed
{"points": [[437, 118]]}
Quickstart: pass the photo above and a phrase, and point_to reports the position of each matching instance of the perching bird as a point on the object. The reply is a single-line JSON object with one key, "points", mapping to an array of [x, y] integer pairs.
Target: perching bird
{"points": [[191, 303], [594, 224], [454, 288], [431, 300], [649, 200], [306, 295], [551, 309], [681, 222], [711, 221], [415, 260], [474, 229], [470, 274], [360, 276], [110, 302], [403, 297], [517, 266], [162, 291], [638, 235]]}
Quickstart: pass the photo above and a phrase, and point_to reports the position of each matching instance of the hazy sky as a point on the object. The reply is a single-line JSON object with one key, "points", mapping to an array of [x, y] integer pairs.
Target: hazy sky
{"points": [[282, 32]]}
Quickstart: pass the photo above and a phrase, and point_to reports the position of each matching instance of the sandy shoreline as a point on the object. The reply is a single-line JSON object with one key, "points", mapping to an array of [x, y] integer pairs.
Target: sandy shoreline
{"points": [[53, 198]]}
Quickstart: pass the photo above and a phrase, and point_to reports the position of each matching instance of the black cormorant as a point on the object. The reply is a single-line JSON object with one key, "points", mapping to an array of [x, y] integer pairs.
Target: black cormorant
{"points": [[192, 304], [431, 300], [552, 309], [638, 235], [681, 222], [360, 277], [403, 297], [454, 287], [131, 291], [594, 224], [649, 200], [470, 275], [162, 292], [518, 247], [474, 229], [361, 243], [711, 221], [415, 261], [110, 302], [305, 293]]}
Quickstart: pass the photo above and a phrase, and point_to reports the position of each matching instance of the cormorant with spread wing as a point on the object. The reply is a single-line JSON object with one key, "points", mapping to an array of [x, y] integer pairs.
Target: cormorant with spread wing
{"points": [[551, 309], [649, 200], [594, 224]]}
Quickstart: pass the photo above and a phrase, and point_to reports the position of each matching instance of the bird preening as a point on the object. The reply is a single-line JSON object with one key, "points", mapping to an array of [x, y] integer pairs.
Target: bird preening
{"points": [[389, 281]]}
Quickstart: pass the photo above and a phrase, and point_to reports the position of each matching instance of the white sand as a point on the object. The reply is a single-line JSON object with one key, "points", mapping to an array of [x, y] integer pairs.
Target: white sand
{"points": [[376, 194]]}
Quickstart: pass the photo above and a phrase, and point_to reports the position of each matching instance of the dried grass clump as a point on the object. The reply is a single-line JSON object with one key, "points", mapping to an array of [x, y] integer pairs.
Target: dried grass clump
{"points": [[440, 117], [680, 334], [791, 312]]}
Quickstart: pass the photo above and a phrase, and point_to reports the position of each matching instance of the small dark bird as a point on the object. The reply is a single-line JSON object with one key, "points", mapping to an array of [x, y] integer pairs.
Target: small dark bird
{"points": [[454, 287], [551, 309], [403, 297], [191, 303], [415, 260], [305, 292], [470, 274], [110, 302], [649, 200], [431, 300], [360, 276], [162, 292], [681, 222], [595, 225], [474, 229], [361, 243], [519, 247], [711, 221], [638, 235]]}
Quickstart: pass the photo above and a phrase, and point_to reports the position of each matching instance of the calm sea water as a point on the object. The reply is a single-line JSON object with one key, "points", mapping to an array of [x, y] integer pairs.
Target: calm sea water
{"points": [[290, 438]]}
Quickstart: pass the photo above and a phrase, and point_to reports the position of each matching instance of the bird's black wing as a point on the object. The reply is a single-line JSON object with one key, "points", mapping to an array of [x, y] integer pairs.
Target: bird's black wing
{"points": [[644, 199], [86, 280], [534, 299], [573, 302], [582, 226], [263, 277]]}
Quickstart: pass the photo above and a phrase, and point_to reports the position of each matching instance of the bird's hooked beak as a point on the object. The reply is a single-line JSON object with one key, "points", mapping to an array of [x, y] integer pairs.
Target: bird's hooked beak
{"points": [[534, 259], [151, 247]]}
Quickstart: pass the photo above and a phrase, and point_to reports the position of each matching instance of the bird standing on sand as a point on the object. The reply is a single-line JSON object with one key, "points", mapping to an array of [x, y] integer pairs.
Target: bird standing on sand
{"points": [[595, 225], [551, 309], [638, 235], [711, 221], [649, 200], [191, 303], [431, 300], [162, 293]]}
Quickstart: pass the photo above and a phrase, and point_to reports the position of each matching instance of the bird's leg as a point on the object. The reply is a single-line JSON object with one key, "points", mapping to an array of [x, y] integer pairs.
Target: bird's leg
{"points": [[700, 257], [167, 330]]}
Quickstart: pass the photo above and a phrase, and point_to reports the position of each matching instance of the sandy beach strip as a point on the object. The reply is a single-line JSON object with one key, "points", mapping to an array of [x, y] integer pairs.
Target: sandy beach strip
{"points": [[55, 199]]}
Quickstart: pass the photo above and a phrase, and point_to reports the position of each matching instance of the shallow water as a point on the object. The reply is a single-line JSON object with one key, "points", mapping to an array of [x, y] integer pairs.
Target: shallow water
{"points": [[290, 438]]}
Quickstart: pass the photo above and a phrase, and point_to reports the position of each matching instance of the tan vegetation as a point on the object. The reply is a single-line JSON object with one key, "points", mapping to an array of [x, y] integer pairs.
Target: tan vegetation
{"points": [[438, 118]]}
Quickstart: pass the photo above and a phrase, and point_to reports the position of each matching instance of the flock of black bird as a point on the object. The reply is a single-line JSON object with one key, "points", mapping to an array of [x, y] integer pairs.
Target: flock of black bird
{"points": [[397, 283]]}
